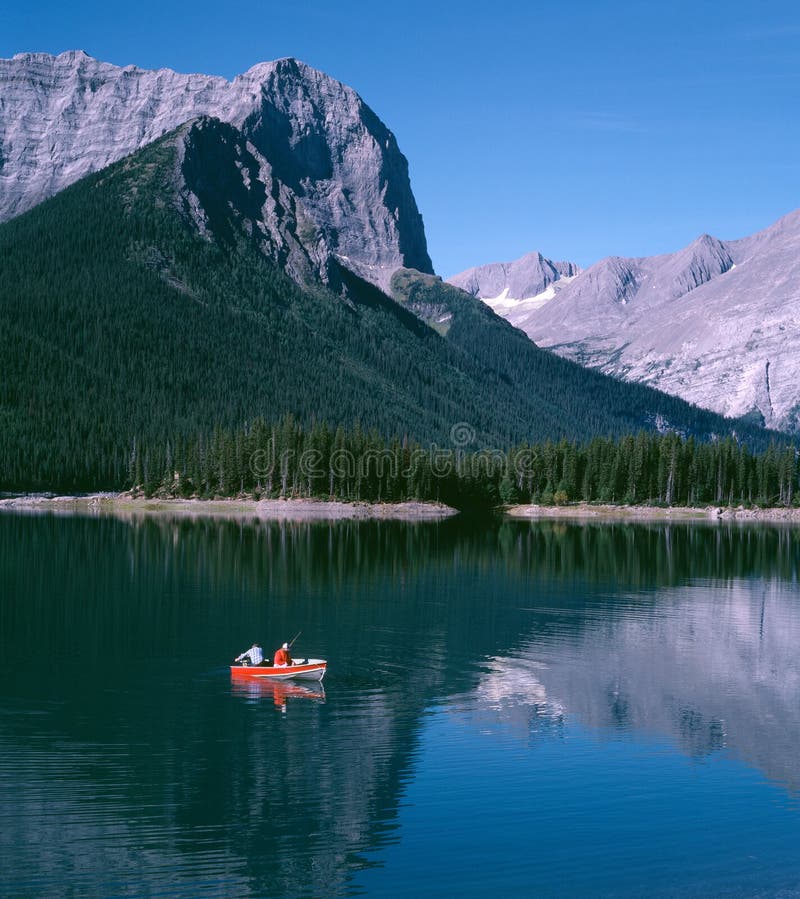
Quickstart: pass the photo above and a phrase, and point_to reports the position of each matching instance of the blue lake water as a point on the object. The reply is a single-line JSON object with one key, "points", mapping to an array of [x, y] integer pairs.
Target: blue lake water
{"points": [[545, 709]]}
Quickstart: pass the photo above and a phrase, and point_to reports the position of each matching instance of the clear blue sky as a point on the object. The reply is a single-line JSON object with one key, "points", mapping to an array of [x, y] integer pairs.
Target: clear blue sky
{"points": [[580, 129]]}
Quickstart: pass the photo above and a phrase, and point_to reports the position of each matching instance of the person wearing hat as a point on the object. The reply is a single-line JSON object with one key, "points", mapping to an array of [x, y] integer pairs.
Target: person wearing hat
{"points": [[254, 655], [282, 657]]}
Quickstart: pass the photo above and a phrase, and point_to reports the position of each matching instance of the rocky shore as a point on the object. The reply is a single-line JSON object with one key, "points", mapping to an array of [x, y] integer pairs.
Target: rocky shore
{"points": [[124, 504], [268, 510], [586, 511]]}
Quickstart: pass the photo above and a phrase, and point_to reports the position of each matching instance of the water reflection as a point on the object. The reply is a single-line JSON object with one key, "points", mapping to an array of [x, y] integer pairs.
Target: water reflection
{"points": [[711, 667], [157, 769], [279, 692], [511, 694]]}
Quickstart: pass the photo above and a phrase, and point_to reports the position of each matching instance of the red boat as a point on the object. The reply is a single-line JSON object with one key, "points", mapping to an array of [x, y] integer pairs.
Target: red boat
{"points": [[300, 669]]}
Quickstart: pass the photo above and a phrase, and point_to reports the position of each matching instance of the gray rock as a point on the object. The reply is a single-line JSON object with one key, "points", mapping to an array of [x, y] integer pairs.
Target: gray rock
{"points": [[527, 277], [64, 116], [717, 323], [229, 191]]}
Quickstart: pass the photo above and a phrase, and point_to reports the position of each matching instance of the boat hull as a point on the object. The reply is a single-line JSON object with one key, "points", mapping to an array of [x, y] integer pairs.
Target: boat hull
{"points": [[306, 669]]}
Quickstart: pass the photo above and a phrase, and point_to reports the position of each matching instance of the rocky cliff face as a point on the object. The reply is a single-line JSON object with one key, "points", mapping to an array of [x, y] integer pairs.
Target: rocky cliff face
{"points": [[338, 165], [717, 323], [230, 192]]}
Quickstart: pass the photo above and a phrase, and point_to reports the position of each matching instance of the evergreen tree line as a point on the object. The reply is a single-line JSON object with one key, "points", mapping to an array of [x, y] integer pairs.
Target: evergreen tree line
{"points": [[288, 460]]}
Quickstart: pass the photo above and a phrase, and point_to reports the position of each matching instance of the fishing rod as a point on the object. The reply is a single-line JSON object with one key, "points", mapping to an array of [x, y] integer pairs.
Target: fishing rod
{"points": [[291, 644]]}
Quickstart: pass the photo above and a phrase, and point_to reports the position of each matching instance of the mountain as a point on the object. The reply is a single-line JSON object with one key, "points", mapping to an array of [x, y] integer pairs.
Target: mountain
{"points": [[338, 166], [716, 323], [561, 399], [526, 283], [151, 300]]}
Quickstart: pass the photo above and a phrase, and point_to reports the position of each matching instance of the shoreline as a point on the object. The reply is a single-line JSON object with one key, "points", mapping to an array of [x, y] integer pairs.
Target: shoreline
{"points": [[608, 512], [124, 505]]}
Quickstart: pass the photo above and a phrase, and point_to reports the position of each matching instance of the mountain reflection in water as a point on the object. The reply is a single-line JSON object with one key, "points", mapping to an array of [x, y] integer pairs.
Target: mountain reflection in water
{"points": [[132, 765], [711, 667]]}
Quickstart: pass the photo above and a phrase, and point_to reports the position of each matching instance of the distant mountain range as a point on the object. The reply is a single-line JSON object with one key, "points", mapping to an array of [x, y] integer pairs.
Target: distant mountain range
{"points": [[717, 323], [266, 260]]}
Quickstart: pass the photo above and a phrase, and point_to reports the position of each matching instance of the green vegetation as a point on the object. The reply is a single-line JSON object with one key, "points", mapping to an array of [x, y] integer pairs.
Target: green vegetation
{"points": [[287, 460], [570, 401], [127, 338]]}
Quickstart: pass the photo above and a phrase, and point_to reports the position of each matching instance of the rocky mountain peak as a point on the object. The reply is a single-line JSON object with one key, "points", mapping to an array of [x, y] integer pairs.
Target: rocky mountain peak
{"points": [[65, 116], [705, 258], [525, 278]]}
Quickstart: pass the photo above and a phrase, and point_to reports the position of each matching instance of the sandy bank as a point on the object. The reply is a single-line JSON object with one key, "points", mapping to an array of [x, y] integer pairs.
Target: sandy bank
{"points": [[267, 510], [585, 512]]}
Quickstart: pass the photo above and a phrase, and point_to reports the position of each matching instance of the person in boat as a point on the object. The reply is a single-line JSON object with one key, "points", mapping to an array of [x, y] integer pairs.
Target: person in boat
{"points": [[254, 655], [282, 657]]}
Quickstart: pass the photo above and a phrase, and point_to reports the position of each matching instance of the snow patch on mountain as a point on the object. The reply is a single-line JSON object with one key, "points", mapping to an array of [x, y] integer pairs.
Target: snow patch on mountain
{"points": [[523, 280], [504, 305]]}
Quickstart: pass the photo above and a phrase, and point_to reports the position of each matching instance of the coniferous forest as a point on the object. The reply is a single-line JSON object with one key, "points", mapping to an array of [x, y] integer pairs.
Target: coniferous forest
{"points": [[132, 347], [288, 460]]}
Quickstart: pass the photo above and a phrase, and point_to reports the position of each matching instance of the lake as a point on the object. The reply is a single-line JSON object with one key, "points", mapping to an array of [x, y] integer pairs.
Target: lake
{"points": [[545, 709]]}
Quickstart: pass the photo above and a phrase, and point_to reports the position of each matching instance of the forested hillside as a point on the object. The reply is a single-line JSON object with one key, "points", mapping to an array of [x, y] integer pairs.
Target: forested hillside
{"points": [[571, 401], [123, 328]]}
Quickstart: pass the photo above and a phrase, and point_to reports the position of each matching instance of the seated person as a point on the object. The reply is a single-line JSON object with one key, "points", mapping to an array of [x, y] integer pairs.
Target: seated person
{"points": [[282, 657], [254, 656]]}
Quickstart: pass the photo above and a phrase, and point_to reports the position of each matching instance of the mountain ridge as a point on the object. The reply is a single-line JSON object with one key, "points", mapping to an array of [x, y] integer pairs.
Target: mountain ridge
{"points": [[67, 115], [715, 322], [506, 283]]}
